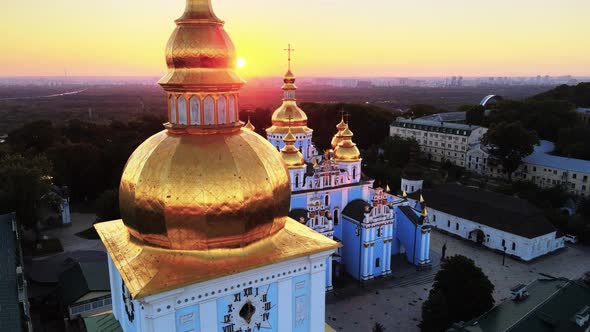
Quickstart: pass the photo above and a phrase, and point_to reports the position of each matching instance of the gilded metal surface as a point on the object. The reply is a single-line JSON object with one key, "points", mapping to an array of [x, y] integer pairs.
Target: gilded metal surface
{"points": [[287, 113], [198, 192], [291, 155], [346, 149], [200, 55], [285, 129], [249, 125], [149, 270], [338, 136]]}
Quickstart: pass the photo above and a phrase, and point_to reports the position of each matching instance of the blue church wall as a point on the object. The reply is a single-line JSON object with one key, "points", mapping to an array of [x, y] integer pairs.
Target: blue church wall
{"points": [[378, 254], [408, 234], [298, 202], [351, 248]]}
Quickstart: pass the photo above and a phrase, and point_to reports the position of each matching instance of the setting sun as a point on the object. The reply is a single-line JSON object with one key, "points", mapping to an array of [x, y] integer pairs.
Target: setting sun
{"points": [[241, 62]]}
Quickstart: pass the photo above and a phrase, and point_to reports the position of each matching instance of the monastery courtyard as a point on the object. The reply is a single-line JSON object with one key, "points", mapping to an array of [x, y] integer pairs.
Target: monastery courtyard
{"points": [[397, 302]]}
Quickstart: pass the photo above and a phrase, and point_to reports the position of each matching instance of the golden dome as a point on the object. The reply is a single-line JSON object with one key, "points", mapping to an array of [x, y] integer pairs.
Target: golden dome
{"points": [[249, 126], [196, 192], [289, 113], [338, 136], [200, 55], [346, 149], [291, 155]]}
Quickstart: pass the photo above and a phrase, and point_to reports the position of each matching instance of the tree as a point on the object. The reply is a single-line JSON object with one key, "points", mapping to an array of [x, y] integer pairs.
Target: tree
{"points": [[23, 181], [378, 328], [509, 143], [107, 206], [474, 114], [461, 292], [420, 110]]}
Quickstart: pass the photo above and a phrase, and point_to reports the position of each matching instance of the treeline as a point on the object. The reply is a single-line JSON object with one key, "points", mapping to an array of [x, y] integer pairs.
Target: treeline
{"points": [[551, 115]]}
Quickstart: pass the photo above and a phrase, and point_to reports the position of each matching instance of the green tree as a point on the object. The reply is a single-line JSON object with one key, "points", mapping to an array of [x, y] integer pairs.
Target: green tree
{"points": [[509, 143], [461, 292], [107, 205], [420, 110], [23, 181], [474, 114], [378, 327], [33, 138]]}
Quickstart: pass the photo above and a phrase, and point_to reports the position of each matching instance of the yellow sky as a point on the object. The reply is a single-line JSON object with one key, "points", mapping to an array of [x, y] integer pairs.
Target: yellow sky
{"points": [[331, 37]]}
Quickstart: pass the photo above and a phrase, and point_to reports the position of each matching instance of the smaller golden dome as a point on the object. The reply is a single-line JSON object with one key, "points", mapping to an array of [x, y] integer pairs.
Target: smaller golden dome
{"points": [[289, 76], [249, 125], [342, 125], [346, 149], [291, 155], [338, 136], [289, 114]]}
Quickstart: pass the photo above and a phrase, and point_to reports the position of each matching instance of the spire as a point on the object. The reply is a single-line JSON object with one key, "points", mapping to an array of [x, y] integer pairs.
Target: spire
{"points": [[289, 86], [421, 199], [338, 136], [199, 10], [424, 212], [404, 194], [249, 125], [291, 155]]}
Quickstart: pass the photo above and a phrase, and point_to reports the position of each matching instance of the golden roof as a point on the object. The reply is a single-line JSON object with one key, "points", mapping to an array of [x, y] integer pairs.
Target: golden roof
{"points": [[283, 130], [338, 136], [291, 155], [149, 270], [346, 149], [204, 191], [289, 114], [200, 55], [249, 125]]}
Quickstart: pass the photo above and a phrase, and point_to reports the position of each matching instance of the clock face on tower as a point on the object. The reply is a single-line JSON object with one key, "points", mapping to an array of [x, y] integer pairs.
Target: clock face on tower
{"points": [[250, 310]]}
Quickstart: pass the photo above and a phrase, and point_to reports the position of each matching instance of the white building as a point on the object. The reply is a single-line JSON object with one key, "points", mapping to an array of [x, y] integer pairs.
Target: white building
{"points": [[547, 170], [440, 141], [496, 221]]}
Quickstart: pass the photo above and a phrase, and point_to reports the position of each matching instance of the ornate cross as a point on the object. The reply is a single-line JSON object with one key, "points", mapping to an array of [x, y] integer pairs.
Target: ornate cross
{"points": [[289, 50]]}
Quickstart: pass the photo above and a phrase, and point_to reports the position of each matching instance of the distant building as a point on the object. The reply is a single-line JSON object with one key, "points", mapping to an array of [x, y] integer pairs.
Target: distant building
{"points": [[496, 221], [440, 141], [584, 114], [84, 289], [14, 303], [545, 305]]}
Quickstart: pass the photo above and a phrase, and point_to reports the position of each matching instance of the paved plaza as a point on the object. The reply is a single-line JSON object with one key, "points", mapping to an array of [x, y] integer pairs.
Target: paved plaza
{"points": [[397, 302]]}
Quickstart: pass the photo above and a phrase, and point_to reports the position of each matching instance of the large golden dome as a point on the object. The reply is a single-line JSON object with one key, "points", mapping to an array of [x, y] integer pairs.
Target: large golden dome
{"points": [[204, 191]]}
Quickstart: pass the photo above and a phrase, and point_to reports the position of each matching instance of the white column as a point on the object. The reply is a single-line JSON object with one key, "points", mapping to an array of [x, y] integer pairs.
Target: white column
{"points": [[318, 294], [115, 295], [329, 273], [285, 290], [365, 260], [208, 313]]}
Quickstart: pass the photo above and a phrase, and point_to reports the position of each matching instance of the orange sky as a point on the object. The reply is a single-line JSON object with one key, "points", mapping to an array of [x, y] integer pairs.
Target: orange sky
{"points": [[331, 37]]}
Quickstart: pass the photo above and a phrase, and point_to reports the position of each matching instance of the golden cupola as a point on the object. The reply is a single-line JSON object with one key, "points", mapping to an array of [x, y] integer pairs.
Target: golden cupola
{"points": [[291, 155], [346, 151], [204, 182], [338, 136], [289, 115]]}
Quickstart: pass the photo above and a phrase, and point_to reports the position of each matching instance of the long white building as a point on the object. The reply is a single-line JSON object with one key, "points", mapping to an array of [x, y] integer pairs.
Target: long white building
{"points": [[496, 221]]}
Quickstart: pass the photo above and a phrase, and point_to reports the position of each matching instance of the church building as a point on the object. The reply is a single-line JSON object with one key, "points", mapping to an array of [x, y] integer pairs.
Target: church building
{"points": [[205, 243], [331, 195]]}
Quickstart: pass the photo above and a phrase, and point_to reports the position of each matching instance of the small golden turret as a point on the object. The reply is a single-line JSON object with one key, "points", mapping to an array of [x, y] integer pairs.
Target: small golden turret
{"points": [[338, 136], [346, 149], [291, 155]]}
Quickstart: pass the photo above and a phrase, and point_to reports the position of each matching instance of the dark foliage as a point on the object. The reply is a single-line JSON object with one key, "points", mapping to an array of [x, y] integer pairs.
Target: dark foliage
{"points": [[510, 142], [107, 206], [474, 114], [378, 327], [461, 292], [573, 143], [578, 94]]}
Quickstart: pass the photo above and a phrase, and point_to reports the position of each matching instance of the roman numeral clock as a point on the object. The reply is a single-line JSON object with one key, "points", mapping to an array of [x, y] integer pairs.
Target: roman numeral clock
{"points": [[251, 309]]}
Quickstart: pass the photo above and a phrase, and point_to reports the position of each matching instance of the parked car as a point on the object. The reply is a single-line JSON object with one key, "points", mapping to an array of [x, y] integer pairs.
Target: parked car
{"points": [[571, 238]]}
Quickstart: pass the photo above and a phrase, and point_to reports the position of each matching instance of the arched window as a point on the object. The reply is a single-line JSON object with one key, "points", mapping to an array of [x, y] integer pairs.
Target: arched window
{"points": [[377, 262], [354, 173], [172, 109], [336, 217], [221, 108], [182, 114], [232, 109], [195, 107], [296, 180], [209, 110], [327, 200]]}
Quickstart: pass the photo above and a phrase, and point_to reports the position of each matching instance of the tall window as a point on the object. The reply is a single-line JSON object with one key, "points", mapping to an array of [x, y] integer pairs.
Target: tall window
{"points": [[448, 223], [182, 110], [513, 246], [336, 217], [297, 181], [503, 243], [327, 200], [354, 173], [232, 109], [172, 109], [457, 226], [209, 110], [221, 108], [195, 108], [377, 262]]}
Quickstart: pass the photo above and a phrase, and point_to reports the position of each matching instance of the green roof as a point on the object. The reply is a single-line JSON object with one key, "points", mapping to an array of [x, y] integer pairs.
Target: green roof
{"points": [[10, 319], [551, 305], [102, 323], [84, 278]]}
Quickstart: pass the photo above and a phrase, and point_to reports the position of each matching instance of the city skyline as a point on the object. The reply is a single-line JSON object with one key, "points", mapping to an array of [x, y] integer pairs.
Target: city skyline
{"points": [[331, 38]]}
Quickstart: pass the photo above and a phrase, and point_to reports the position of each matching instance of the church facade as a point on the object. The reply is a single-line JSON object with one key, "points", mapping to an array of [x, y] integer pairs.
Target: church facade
{"points": [[332, 196]]}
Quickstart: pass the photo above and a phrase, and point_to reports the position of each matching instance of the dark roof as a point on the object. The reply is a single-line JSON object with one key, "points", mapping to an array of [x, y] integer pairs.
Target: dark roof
{"points": [[10, 319], [102, 323], [82, 279], [551, 306], [412, 214], [502, 212], [48, 271], [356, 210], [297, 214]]}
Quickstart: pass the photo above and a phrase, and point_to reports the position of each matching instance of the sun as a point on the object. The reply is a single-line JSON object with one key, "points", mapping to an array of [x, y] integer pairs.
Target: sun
{"points": [[241, 62]]}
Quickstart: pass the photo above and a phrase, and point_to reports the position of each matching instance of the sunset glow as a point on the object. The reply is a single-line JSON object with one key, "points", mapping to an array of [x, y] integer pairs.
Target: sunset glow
{"points": [[332, 38]]}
